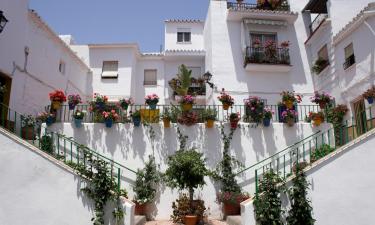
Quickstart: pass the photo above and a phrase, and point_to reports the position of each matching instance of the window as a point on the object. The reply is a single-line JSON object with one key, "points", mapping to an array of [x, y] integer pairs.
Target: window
{"points": [[62, 67], [110, 69], [150, 77], [195, 72], [183, 36], [323, 53], [262, 39], [349, 56]]}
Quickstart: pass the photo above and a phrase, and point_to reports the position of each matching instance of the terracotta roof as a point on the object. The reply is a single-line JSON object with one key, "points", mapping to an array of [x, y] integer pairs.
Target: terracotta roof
{"points": [[279, 12], [357, 20]]}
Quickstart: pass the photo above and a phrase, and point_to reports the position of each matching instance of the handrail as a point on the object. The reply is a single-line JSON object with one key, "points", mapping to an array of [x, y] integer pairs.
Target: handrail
{"points": [[278, 153]]}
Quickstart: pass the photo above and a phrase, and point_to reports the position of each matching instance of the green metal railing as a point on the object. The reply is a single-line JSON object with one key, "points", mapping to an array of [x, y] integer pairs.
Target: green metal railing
{"points": [[59, 146], [66, 115], [300, 153]]}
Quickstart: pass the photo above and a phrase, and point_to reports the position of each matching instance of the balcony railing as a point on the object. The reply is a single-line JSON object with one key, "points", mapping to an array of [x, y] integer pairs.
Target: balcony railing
{"points": [[349, 62], [319, 19], [248, 6], [279, 56]]}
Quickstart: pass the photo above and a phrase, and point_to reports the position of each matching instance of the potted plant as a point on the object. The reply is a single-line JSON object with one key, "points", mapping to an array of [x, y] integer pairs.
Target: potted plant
{"points": [[234, 118], [186, 170], [370, 95], [99, 103], [231, 202], [146, 182], [289, 99], [78, 118], [267, 116], [184, 80], [152, 100], [110, 117], [225, 99], [289, 117], [317, 118], [319, 65], [28, 127], [124, 103], [57, 97], [254, 108], [73, 101], [181, 207], [187, 102], [166, 117], [322, 99], [210, 116], [136, 116]]}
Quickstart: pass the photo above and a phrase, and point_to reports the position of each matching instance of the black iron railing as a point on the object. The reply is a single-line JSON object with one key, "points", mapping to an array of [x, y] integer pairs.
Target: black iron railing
{"points": [[349, 62], [248, 6], [270, 55], [319, 19]]}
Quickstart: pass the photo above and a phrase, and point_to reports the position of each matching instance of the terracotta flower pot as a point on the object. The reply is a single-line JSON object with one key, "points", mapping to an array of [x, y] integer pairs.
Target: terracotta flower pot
{"points": [[167, 123], [289, 104], [317, 121], [226, 106], [191, 219], [56, 105], [187, 107], [290, 122], [28, 133], [140, 209], [210, 123], [230, 209], [234, 124]]}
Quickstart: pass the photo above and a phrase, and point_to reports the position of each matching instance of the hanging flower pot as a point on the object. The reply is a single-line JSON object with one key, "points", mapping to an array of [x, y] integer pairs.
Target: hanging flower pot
{"points": [[290, 122], [56, 105], [191, 219], [140, 209], [187, 107], [108, 123], [230, 209], [167, 123], [226, 106], [289, 104], [210, 123], [370, 100], [78, 123]]}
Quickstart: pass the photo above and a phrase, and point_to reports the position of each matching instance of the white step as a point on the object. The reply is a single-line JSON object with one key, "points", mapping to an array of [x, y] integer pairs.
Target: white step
{"points": [[234, 220]]}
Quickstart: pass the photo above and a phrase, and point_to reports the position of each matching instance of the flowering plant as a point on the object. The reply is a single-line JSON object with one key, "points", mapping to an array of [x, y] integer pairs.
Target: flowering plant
{"points": [[42, 117], [187, 99], [290, 96], [268, 113], [28, 121], [74, 99], [232, 197], [188, 118], [257, 43], [111, 115], [124, 103], [152, 99], [289, 114], [370, 93], [225, 98], [285, 44], [234, 117], [57, 96], [322, 98], [78, 114], [315, 116], [254, 108], [99, 102]]}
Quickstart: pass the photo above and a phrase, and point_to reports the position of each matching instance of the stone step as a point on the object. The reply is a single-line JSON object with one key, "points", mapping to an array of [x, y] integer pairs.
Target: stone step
{"points": [[139, 220], [234, 220]]}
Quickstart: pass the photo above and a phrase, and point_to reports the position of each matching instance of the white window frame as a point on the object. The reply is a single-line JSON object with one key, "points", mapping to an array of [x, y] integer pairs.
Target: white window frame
{"points": [[184, 31], [152, 82], [111, 72]]}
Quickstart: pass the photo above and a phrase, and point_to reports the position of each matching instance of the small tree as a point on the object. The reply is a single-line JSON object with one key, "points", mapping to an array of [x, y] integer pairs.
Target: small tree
{"points": [[186, 170], [267, 203], [146, 182], [301, 211]]}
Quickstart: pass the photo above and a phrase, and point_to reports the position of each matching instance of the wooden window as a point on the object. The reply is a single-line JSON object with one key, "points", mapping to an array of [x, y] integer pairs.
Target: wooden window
{"points": [[150, 77], [110, 69]]}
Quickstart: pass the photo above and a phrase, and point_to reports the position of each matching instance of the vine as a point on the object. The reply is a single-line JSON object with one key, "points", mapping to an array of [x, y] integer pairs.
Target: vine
{"points": [[182, 139], [268, 203], [301, 209]]}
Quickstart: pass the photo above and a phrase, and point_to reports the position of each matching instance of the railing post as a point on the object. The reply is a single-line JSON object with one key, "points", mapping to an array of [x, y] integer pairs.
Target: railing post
{"points": [[256, 183]]}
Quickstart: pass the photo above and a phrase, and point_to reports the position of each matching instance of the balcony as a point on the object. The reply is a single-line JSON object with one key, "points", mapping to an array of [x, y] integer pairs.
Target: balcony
{"points": [[318, 21], [248, 6], [318, 12], [267, 59]]}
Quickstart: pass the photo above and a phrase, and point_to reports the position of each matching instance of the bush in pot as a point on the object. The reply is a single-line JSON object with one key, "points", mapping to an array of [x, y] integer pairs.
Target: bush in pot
{"points": [[146, 183], [78, 118], [186, 170], [181, 207]]}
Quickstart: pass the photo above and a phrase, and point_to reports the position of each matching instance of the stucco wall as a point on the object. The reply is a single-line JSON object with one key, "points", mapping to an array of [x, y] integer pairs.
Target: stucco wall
{"points": [[196, 29], [131, 146]]}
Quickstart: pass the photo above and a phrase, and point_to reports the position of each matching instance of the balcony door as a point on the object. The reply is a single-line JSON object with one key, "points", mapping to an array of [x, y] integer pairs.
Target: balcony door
{"points": [[261, 39]]}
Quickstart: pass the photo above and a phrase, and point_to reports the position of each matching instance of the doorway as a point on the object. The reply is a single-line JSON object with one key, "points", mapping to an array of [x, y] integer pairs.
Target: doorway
{"points": [[360, 117]]}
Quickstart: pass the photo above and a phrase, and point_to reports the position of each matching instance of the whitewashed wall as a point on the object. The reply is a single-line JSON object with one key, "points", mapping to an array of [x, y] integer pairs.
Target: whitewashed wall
{"points": [[131, 147], [196, 29]]}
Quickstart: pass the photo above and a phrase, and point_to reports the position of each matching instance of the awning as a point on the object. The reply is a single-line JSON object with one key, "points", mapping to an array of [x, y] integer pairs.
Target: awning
{"points": [[110, 74], [266, 22]]}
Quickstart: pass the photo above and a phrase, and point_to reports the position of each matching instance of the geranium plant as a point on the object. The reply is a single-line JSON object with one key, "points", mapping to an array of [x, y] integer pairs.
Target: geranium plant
{"points": [[188, 118], [322, 99], [187, 99], [111, 115], [289, 116], [99, 103], [316, 117], [268, 113], [124, 103], [57, 96], [152, 99], [290, 96], [254, 109], [74, 100], [225, 99]]}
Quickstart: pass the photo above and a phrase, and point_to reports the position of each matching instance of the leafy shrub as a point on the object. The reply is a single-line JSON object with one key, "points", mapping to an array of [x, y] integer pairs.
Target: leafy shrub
{"points": [[321, 152], [46, 144], [182, 207]]}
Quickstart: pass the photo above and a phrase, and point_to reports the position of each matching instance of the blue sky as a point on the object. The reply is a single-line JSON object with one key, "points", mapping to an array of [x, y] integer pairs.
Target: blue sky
{"points": [[117, 21]]}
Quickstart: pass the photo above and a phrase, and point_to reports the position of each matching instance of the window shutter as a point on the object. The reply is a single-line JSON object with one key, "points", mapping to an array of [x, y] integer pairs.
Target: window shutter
{"points": [[110, 69]]}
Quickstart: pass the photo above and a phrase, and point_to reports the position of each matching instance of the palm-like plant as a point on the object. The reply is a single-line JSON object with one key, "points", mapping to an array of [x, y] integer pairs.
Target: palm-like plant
{"points": [[184, 77]]}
